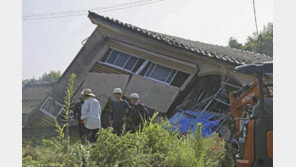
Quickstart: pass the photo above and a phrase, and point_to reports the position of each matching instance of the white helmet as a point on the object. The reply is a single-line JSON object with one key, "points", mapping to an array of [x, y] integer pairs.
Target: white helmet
{"points": [[117, 90], [134, 96]]}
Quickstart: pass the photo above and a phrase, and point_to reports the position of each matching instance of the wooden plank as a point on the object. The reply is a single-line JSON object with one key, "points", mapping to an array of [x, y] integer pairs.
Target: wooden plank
{"points": [[47, 121], [104, 68]]}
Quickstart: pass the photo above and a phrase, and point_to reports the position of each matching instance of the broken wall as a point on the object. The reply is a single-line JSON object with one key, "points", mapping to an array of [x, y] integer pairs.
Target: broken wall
{"points": [[153, 94], [102, 85]]}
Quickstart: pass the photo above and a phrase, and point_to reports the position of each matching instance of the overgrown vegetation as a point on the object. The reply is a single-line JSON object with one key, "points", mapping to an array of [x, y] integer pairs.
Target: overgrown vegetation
{"points": [[155, 145]]}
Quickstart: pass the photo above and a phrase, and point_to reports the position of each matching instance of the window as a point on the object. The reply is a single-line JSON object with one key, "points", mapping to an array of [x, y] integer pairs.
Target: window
{"points": [[160, 73], [165, 74], [145, 68], [112, 57], [179, 79], [51, 108], [123, 61]]}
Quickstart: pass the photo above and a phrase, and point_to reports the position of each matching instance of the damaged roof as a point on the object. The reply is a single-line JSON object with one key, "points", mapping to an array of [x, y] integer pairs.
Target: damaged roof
{"points": [[220, 53], [33, 82], [36, 91]]}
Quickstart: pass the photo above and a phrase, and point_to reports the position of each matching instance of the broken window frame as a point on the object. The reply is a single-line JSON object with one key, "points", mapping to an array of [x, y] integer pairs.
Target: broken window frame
{"points": [[122, 68], [48, 112]]}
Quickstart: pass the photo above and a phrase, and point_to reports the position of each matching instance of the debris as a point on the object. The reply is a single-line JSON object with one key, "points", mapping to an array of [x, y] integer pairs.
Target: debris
{"points": [[212, 110]]}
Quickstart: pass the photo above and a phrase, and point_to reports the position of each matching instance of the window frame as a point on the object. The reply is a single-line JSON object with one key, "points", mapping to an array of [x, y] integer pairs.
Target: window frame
{"points": [[143, 65], [122, 68], [47, 112], [166, 77]]}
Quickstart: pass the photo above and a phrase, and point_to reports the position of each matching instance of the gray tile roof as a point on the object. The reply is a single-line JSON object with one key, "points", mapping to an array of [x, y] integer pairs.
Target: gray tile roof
{"points": [[34, 82], [36, 91], [221, 53]]}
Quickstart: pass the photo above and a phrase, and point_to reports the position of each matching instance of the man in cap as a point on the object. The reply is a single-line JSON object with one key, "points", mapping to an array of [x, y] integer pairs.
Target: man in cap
{"points": [[91, 114], [120, 108], [138, 111]]}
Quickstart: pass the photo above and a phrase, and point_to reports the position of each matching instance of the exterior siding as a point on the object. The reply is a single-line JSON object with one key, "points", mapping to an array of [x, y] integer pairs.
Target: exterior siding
{"points": [[103, 68]]}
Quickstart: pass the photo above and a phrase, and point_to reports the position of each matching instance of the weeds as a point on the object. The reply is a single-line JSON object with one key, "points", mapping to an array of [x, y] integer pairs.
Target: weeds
{"points": [[155, 145]]}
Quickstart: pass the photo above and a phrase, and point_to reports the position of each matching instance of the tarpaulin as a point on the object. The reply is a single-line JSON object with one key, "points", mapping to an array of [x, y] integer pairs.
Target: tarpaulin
{"points": [[185, 120]]}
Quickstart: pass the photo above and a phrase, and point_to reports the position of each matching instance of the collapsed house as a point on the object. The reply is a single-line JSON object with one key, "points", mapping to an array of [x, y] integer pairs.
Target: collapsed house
{"points": [[33, 91], [164, 70]]}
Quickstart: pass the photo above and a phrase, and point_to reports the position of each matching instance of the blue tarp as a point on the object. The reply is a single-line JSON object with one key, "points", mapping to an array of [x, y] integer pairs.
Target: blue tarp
{"points": [[184, 121]]}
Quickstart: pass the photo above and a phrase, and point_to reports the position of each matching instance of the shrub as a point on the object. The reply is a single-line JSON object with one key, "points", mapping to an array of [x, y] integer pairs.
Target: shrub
{"points": [[215, 151], [155, 145]]}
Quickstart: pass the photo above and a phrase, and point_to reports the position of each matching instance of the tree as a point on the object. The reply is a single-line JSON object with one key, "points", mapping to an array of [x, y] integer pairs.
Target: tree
{"points": [[262, 43], [26, 80], [233, 43], [52, 76]]}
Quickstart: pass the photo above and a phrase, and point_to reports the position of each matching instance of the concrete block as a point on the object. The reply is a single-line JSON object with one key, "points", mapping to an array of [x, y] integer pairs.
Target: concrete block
{"points": [[102, 85], [153, 94], [103, 101]]}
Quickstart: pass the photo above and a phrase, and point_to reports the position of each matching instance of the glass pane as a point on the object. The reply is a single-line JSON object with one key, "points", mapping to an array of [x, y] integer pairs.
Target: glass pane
{"points": [[161, 73], [112, 57], [180, 78], [150, 70], [171, 76], [106, 55], [122, 59], [139, 63], [48, 105], [131, 63], [57, 108]]}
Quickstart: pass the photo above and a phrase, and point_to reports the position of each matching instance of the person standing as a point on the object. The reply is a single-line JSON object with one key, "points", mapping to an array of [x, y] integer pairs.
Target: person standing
{"points": [[120, 109], [77, 116], [91, 114], [138, 112]]}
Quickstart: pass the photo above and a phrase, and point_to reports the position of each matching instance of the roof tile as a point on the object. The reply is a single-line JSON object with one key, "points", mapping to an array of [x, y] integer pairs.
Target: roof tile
{"points": [[36, 91], [222, 53]]}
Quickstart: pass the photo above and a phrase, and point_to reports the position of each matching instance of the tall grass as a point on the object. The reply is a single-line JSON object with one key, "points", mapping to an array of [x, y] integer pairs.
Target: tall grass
{"points": [[155, 145]]}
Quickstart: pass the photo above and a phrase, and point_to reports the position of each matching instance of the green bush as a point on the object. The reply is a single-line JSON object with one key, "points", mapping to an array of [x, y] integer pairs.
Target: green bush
{"points": [[215, 151], [155, 145]]}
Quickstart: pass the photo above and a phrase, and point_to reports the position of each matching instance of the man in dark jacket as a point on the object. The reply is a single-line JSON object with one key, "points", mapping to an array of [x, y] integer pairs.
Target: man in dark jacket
{"points": [[77, 117], [120, 108], [138, 112]]}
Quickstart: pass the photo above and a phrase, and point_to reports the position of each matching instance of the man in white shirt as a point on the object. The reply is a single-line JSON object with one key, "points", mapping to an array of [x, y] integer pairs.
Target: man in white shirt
{"points": [[91, 114]]}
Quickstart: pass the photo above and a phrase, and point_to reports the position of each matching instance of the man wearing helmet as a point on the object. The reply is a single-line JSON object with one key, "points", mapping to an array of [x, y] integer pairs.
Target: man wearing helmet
{"points": [[120, 108], [138, 112]]}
